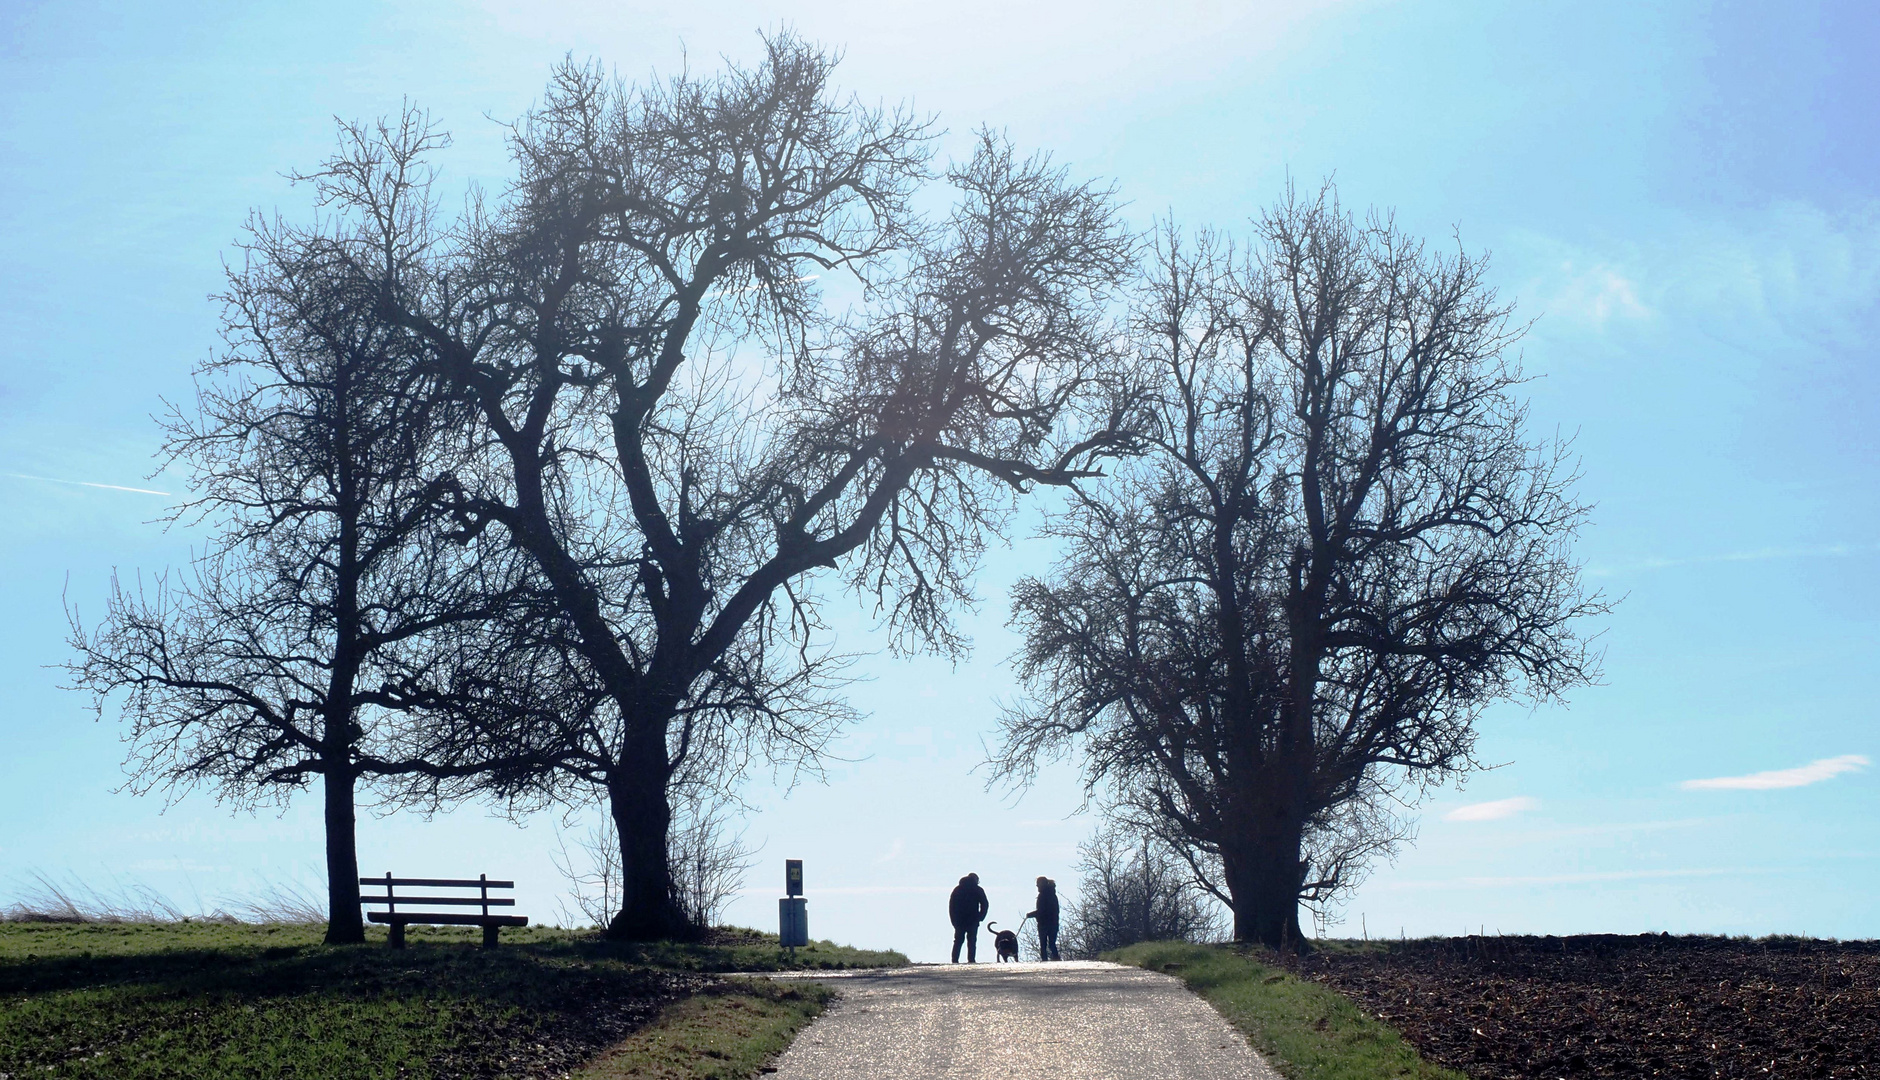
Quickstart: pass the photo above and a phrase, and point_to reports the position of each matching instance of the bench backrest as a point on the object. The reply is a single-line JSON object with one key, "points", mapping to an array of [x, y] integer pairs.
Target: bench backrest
{"points": [[481, 883]]}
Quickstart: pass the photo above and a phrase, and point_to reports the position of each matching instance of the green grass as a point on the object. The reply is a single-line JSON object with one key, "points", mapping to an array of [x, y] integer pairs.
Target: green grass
{"points": [[759, 952], [214, 1000], [739, 949], [726, 1033], [1307, 1031]]}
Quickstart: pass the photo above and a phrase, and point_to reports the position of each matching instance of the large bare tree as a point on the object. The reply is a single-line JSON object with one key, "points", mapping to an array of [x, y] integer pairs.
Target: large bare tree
{"points": [[1282, 621], [681, 439], [328, 608]]}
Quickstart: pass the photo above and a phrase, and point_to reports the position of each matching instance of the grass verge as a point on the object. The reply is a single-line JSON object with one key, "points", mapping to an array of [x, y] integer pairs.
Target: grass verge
{"points": [[140, 1001], [728, 1032], [1307, 1031]]}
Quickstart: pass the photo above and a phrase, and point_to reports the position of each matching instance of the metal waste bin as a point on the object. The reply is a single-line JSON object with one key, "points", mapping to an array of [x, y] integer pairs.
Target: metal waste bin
{"points": [[793, 921]]}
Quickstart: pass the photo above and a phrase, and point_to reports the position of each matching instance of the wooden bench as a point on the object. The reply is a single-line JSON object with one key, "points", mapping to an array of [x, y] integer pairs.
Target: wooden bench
{"points": [[398, 920]]}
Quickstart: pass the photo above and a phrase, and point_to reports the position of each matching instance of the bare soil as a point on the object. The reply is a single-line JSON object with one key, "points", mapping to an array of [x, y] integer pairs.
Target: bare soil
{"points": [[1501, 1008]]}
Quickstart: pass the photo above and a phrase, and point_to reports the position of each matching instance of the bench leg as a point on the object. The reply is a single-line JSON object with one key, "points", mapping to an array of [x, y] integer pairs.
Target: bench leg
{"points": [[489, 936], [397, 938]]}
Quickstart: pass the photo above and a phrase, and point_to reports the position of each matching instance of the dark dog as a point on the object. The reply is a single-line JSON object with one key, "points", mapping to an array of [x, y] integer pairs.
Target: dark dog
{"points": [[1006, 942]]}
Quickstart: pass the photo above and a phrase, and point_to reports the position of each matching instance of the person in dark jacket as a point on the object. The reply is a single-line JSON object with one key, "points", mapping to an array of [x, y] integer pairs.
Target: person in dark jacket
{"points": [[967, 907], [1047, 916]]}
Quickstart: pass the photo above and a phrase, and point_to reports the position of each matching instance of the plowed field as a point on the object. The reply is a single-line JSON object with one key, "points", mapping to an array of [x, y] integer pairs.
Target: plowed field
{"points": [[1602, 1005]]}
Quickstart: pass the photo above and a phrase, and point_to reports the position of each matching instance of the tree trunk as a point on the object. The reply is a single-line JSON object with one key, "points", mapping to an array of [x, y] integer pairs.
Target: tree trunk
{"points": [[642, 819], [344, 924], [1264, 874]]}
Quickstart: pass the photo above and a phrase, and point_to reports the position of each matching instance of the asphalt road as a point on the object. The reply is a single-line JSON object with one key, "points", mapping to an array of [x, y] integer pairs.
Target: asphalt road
{"points": [[1061, 1021]]}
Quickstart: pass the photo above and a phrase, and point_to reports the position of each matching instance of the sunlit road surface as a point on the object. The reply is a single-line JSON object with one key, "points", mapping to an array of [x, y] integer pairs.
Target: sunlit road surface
{"points": [[1050, 1021]]}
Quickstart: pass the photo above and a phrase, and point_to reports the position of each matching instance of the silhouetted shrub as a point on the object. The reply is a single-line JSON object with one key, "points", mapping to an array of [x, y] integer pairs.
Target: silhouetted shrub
{"points": [[1135, 889]]}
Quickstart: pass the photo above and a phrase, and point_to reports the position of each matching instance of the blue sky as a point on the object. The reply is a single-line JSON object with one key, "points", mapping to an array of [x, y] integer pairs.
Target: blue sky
{"points": [[1685, 196]]}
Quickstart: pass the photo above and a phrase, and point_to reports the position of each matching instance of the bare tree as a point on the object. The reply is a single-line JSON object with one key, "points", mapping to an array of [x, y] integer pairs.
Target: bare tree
{"points": [[1275, 628], [321, 614], [679, 437], [709, 861], [1135, 888], [593, 874]]}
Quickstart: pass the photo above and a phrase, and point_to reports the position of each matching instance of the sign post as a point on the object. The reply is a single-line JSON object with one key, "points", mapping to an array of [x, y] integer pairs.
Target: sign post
{"points": [[792, 909]]}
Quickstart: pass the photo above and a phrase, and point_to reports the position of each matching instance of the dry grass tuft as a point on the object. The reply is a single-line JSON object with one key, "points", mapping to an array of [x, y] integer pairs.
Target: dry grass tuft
{"points": [[47, 899], [288, 904]]}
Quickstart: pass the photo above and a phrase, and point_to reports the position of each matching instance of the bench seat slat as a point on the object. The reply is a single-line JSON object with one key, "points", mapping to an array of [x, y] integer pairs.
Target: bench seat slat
{"points": [[456, 901], [443, 883], [447, 918]]}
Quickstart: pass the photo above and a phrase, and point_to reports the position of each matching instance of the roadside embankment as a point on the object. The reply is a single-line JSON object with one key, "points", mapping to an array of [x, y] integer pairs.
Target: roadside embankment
{"points": [[1307, 1031]]}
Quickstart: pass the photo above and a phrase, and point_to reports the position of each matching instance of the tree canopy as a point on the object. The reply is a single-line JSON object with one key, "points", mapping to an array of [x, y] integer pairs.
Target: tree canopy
{"points": [[1341, 546], [680, 439]]}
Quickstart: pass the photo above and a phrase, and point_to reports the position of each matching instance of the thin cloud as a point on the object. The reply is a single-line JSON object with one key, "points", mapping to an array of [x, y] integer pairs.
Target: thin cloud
{"points": [[1822, 551], [1812, 773], [89, 484], [988, 849], [1595, 294], [1492, 811], [1624, 828], [1792, 273], [1593, 878], [865, 890]]}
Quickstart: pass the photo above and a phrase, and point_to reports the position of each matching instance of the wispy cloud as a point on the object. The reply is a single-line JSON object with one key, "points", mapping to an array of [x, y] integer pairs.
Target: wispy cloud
{"points": [[1812, 773], [895, 850], [1790, 271], [1594, 294], [863, 890], [1492, 811], [991, 848], [1819, 551], [1589, 878], [1593, 878], [89, 484], [1622, 828]]}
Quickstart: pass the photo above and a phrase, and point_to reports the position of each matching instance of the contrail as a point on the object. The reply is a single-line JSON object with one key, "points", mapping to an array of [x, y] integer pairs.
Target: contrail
{"points": [[87, 483]]}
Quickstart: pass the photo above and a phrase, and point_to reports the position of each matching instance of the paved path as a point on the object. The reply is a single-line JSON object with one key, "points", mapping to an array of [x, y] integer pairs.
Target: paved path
{"points": [[1065, 1021]]}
